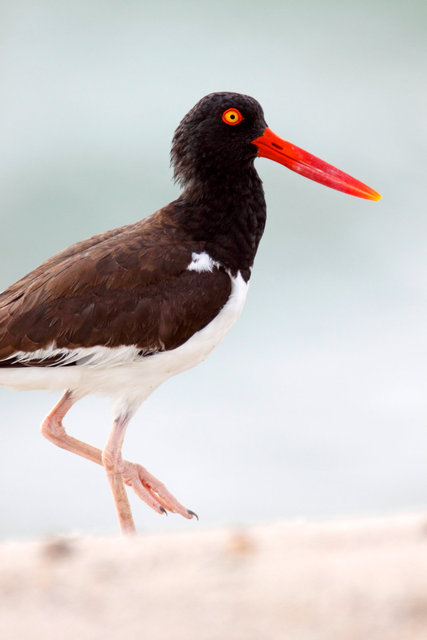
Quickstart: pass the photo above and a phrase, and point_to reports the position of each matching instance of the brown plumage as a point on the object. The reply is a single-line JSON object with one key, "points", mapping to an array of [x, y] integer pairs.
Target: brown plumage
{"points": [[129, 286], [131, 307]]}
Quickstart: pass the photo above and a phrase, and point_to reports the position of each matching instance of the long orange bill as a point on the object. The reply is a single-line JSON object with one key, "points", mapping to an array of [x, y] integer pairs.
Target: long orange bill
{"points": [[271, 146]]}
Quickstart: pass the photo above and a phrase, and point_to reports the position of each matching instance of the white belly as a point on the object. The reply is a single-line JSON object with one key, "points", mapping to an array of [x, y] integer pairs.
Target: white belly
{"points": [[119, 372]]}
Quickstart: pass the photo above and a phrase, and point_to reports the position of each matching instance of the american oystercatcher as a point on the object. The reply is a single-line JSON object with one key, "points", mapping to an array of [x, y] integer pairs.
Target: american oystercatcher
{"points": [[120, 313]]}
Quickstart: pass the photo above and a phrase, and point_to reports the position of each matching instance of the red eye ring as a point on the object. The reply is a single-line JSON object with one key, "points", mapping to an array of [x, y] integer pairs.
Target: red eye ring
{"points": [[232, 116]]}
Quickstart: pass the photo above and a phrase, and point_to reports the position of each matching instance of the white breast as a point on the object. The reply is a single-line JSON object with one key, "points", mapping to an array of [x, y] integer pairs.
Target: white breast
{"points": [[119, 372]]}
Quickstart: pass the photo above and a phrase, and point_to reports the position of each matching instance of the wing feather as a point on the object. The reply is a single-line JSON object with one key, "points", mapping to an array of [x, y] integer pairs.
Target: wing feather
{"points": [[129, 286]]}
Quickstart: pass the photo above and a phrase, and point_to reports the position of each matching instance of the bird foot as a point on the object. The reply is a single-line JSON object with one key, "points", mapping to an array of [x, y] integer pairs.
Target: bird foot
{"points": [[152, 491]]}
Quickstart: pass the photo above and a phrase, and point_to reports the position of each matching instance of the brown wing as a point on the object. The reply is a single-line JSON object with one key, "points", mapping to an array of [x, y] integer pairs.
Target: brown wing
{"points": [[129, 286]]}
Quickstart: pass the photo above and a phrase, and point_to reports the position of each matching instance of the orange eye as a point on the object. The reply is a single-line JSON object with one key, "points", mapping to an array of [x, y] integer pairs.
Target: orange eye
{"points": [[232, 116]]}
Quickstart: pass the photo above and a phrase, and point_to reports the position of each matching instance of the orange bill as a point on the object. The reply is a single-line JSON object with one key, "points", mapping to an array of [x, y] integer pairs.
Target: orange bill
{"points": [[271, 146]]}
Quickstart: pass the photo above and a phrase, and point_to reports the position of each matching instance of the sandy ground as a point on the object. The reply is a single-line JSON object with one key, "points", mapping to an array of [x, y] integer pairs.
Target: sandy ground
{"points": [[364, 579]]}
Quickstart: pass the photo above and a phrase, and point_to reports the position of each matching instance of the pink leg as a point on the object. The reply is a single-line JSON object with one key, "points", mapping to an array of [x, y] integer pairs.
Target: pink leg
{"points": [[119, 471], [53, 430], [146, 486], [113, 464]]}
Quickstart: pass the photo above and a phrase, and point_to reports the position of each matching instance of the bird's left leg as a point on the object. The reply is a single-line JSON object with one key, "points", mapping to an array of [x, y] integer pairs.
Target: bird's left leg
{"points": [[146, 486], [114, 466]]}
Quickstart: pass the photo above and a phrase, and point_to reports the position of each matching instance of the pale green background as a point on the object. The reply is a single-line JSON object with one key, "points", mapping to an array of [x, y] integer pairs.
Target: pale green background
{"points": [[315, 403]]}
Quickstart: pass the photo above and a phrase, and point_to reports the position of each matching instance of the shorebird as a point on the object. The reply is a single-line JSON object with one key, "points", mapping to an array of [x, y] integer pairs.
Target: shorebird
{"points": [[123, 311]]}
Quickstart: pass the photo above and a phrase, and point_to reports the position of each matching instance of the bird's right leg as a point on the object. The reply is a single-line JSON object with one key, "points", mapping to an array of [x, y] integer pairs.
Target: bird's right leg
{"points": [[53, 430], [119, 471]]}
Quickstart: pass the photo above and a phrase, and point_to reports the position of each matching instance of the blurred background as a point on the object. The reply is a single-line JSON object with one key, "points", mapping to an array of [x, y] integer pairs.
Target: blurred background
{"points": [[314, 405]]}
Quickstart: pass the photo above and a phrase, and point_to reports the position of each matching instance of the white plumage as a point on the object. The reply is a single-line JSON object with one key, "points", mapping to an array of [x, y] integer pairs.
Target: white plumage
{"points": [[120, 372]]}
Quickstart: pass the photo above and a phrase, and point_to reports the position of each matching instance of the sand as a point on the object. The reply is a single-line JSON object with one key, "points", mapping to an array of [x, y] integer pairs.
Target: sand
{"points": [[345, 580]]}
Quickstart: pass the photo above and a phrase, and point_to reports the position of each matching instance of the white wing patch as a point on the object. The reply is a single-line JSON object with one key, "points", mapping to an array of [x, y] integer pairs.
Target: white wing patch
{"points": [[90, 356], [100, 356], [121, 372], [202, 262]]}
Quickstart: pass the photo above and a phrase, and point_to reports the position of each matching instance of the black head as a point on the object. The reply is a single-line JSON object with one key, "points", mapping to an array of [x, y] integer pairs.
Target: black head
{"points": [[215, 137]]}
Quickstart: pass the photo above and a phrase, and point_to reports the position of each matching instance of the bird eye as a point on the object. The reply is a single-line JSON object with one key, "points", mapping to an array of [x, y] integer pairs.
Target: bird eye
{"points": [[232, 116]]}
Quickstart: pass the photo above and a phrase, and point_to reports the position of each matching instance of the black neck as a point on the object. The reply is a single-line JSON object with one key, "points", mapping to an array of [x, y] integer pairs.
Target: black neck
{"points": [[227, 213]]}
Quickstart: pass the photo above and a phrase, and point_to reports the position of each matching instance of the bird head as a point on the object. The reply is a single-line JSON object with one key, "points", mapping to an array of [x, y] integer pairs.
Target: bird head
{"points": [[224, 132]]}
